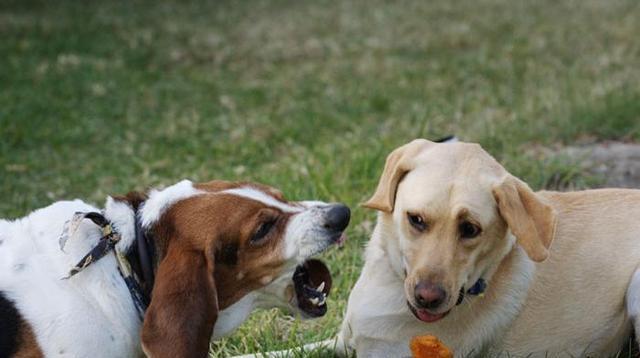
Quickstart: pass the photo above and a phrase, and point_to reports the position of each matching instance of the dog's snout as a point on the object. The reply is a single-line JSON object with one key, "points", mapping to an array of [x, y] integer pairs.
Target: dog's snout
{"points": [[337, 217], [429, 295]]}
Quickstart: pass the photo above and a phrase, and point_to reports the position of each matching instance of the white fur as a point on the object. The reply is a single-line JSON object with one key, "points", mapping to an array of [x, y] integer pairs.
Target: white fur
{"points": [[311, 203], [270, 296], [88, 315], [233, 316], [633, 300], [261, 196], [122, 217], [305, 235], [161, 200]]}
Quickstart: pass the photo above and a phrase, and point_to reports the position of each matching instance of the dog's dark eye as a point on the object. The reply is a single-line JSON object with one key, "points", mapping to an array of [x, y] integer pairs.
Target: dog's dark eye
{"points": [[417, 222], [469, 230], [262, 231]]}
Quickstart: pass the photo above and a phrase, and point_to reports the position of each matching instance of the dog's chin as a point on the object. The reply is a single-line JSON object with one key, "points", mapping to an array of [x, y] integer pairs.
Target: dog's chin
{"points": [[426, 316]]}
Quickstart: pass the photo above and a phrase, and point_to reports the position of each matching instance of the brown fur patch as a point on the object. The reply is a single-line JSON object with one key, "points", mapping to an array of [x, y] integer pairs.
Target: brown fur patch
{"points": [[27, 345], [134, 198], [208, 261], [184, 307], [222, 223]]}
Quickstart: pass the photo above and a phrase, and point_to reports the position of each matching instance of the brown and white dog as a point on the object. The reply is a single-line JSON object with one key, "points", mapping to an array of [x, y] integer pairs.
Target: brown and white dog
{"points": [[559, 271], [220, 249]]}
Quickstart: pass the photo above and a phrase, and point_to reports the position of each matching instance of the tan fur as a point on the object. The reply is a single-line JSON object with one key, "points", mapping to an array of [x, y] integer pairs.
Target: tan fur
{"points": [[566, 296], [399, 162], [529, 218]]}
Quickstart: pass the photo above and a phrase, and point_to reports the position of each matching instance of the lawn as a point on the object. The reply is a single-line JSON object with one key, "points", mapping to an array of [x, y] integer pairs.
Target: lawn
{"points": [[102, 97]]}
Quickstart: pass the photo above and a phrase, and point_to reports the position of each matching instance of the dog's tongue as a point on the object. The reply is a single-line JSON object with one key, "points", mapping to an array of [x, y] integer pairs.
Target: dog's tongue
{"points": [[425, 316], [341, 239]]}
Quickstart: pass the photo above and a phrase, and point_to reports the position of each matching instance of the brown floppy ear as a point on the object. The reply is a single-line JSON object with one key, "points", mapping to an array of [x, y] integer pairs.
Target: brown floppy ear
{"points": [[184, 305], [530, 219], [398, 164]]}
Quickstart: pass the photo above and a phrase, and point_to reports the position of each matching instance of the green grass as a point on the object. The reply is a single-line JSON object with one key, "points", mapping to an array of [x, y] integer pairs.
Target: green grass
{"points": [[104, 97]]}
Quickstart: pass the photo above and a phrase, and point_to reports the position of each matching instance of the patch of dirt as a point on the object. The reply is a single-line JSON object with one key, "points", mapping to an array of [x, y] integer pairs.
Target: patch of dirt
{"points": [[617, 164]]}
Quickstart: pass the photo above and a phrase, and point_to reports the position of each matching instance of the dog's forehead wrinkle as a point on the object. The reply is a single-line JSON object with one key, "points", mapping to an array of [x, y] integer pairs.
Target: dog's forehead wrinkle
{"points": [[461, 211], [473, 211]]}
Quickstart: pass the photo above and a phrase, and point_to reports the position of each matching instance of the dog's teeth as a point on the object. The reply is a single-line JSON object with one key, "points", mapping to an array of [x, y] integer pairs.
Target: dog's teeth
{"points": [[321, 302], [315, 301], [320, 287]]}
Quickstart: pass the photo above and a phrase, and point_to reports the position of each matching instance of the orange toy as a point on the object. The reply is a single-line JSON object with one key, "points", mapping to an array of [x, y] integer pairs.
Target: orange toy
{"points": [[429, 347]]}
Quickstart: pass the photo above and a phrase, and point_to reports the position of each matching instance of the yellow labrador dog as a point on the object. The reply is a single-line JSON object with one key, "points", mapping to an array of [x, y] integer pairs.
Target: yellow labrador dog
{"points": [[466, 251]]}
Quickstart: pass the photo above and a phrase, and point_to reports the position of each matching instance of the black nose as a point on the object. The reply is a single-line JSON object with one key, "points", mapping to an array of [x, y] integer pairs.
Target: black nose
{"points": [[429, 296], [337, 218]]}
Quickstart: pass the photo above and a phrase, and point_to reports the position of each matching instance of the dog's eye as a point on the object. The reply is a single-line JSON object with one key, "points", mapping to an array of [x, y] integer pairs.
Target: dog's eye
{"points": [[469, 230], [262, 231], [417, 222]]}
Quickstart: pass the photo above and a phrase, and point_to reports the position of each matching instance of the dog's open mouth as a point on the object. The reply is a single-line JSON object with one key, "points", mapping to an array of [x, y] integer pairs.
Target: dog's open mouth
{"points": [[426, 316], [312, 283]]}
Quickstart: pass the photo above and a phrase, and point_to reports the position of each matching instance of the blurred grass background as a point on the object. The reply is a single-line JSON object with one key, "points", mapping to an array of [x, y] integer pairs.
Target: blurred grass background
{"points": [[102, 97]]}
